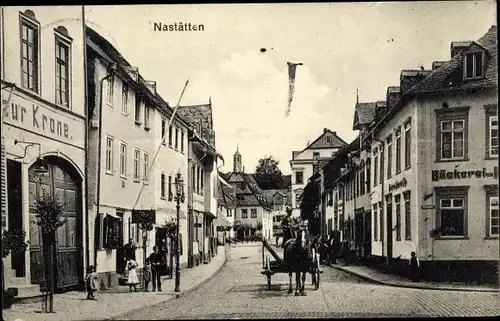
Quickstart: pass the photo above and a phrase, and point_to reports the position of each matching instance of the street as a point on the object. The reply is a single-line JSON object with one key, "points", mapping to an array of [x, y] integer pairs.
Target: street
{"points": [[239, 291]]}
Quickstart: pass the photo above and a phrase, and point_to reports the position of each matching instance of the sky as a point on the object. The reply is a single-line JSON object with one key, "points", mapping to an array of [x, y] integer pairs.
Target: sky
{"points": [[343, 47]]}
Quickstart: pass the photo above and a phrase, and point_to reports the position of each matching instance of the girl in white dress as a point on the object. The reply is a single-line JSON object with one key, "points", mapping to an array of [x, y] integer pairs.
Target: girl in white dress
{"points": [[133, 280]]}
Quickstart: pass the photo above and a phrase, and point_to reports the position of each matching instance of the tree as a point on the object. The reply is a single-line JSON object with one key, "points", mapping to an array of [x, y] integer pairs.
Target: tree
{"points": [[268, 175]]}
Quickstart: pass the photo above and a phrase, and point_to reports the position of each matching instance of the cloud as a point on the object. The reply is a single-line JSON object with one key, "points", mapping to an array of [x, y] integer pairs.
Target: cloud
{"points": [[249, 97]]}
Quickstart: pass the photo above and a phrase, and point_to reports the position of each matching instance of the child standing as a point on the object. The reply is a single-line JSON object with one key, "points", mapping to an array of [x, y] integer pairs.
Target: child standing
{"points": [[91, 283], [414, 268], [132, 280], [147, 275]]}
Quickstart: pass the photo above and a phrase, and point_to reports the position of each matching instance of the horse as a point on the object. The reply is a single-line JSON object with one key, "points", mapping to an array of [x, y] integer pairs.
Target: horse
{"points": [[297, 256]]}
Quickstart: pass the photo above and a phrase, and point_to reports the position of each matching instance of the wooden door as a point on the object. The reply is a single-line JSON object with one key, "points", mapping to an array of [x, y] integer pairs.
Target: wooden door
{"points": [[68, 262]]}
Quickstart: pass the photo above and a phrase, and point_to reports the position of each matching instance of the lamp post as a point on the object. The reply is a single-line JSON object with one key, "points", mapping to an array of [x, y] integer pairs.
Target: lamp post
{"points": [[179, 198]]}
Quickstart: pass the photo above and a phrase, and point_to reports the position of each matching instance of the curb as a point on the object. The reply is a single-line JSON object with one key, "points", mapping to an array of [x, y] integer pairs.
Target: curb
{"points": [[420, 287], [176, 295]]}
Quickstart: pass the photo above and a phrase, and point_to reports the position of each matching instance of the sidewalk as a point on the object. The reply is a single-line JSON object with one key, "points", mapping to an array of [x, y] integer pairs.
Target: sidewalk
{"points": [[112, 303], [371, 274]]}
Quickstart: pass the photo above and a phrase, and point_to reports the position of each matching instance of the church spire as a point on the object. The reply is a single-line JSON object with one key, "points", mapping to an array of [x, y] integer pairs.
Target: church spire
{"points": [[357, 96], [237, 163]]}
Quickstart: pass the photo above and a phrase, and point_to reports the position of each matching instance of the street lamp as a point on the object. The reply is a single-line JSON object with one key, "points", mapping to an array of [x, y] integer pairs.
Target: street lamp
{"points": [[179, 198]]}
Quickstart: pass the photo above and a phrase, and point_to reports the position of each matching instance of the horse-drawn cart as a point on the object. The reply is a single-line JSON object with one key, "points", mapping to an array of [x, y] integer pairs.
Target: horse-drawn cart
{"points": [[278, 265]]}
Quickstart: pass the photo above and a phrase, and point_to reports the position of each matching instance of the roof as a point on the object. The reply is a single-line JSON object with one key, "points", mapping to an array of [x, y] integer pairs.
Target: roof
{"points": [[200, 117], [270, 193], [449, 76], [322, 142], [245, 184], [414, 72], [107, 51], [364, 114]]}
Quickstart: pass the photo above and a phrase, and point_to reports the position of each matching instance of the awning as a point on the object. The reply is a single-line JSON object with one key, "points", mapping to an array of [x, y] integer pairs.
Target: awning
{"points": [[210, 214], [113, 215], [222, 221]]}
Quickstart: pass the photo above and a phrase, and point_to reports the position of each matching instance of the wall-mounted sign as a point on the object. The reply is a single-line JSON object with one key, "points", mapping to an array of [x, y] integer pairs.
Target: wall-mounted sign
{"points": [[439, 175], [428, 207], [398, 184], [427, 196], [198, 224], [42, 119], [182, 214]]}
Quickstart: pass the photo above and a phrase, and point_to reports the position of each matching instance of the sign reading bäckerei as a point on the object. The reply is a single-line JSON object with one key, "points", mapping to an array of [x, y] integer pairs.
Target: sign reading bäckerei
{"points": [[439, 175], [37, 117]]}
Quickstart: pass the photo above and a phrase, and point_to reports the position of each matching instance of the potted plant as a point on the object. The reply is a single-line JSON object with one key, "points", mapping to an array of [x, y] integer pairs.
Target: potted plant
{"points": [[13, 241]]}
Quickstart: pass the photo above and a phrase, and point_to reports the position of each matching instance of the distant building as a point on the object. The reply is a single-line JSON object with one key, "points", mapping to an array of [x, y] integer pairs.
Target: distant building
{"points": [[307, 162], [226, 208], [280, 199], [254, 215]]}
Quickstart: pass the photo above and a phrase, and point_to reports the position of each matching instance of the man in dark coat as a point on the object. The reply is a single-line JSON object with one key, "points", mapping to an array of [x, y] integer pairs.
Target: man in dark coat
{"points": [[157, 261], [286, 225]]}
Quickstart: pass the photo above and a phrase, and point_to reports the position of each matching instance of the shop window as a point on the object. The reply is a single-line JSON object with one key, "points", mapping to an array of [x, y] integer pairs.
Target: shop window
{"points": [[112, 232], [452, 134], [451, 211], [253, 213], [407, 200], [492, 211]]}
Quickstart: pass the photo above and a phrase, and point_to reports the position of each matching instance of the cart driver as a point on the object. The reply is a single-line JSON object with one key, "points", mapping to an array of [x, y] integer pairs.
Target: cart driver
{"points": [[286, 225]]}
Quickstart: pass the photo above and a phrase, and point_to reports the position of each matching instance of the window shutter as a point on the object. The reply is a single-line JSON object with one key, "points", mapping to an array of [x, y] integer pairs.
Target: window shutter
{"points": [[98, 232]]}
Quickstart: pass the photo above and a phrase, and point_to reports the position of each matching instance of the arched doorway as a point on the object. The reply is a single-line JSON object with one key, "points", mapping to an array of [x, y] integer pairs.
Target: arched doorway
{"points": [[64, 181]]}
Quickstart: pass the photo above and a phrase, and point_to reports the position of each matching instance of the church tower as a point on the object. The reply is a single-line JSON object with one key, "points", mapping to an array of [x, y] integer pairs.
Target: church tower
{"points": [[237, 161]]}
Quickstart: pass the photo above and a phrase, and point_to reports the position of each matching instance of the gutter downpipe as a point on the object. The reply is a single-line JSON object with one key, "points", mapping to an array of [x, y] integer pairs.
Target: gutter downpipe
{"points": [[86, 169], [111, 72], [382, 196]]}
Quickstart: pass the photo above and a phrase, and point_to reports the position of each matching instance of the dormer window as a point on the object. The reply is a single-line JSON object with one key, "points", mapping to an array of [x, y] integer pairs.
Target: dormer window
{"points": [[474, 65]]}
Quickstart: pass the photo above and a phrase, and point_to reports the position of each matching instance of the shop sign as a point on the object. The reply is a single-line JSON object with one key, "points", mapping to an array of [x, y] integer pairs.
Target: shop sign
{"points": [[182, 213], [428, 207], [42, 119], [440, 175], [398, 184]]}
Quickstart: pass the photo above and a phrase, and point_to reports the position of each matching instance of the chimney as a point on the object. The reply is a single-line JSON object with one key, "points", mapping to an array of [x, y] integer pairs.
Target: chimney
{"points": [[151, 86], [325, 130], [457, 47], [410, 78], [380, 109], [437, 64]]}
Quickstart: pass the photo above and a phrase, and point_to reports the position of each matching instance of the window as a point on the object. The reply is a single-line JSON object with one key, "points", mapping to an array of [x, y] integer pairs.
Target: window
{"points": [[244, 213], [124, 98], [253, 213], [197, 179], [407, 215], [316, 155], [474, 65], [375, 222], [451, 211], [29, 55], [299, 177], [328, 139], [137, 164], [389, 156], [146, 115], [381, 176], [138, 109], [193, 178], [123, 159], [202, 186], [368, 176], [451, 133], [408, 144], [362, 183], [375, 167], [493, 136], [62, 72], [146, 167], [182, 141], [109, 154], [240, 197], [163, 127], [398, 150], [176, 138], [381, 220], [162, 185], [170, 135], [493, 216], [110, 90], [170, 195], [397, 200], [452, 139]]}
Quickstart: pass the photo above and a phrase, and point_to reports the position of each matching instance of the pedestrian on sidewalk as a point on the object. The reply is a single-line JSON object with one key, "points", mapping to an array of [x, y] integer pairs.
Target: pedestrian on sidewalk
{"points": [[147, 275], [157, 261], [91, 283], [352, 251], [132, 280], [414, 268], [345, 252]]}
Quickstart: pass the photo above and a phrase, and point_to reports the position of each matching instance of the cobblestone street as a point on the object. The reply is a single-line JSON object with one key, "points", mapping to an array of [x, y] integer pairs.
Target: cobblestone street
{"points": [[239, 291]]}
